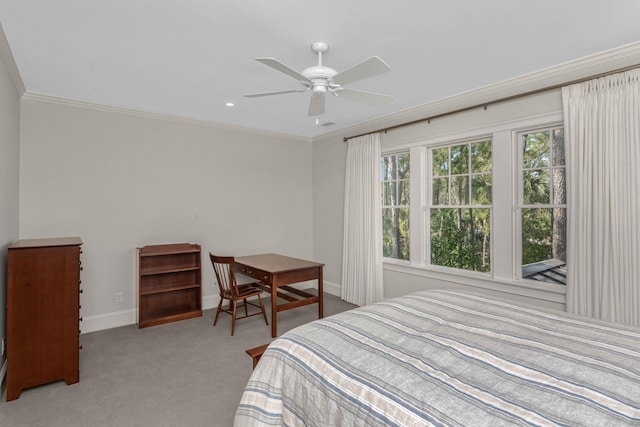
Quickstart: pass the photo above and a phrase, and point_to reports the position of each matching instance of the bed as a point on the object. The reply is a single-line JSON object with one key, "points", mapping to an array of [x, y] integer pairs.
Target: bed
{"points": [[446, 358]]}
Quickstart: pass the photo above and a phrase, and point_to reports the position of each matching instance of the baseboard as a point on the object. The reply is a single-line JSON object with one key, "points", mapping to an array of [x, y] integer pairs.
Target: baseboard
{"points": [[129, 317], [332, 288], [108, 320], [210, 301]]}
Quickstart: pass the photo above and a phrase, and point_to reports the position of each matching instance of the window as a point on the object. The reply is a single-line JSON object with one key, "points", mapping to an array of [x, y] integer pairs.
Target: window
{"points": [[488, 206], [543, 212], [394, 174], [459, 211]]}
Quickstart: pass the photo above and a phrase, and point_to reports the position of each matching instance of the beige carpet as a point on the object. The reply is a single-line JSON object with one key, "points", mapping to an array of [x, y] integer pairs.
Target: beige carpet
{"points": [[185, 373]]}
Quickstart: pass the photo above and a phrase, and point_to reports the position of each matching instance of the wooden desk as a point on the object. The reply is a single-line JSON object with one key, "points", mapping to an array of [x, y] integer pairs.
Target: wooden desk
{"points": [[277, 271]]}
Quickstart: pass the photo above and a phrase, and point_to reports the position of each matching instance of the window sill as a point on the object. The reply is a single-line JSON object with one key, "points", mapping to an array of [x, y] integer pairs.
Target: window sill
{"points": [[538, 290]]}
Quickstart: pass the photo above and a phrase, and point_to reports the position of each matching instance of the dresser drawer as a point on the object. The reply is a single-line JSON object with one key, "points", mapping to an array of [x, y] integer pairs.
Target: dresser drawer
{"points": [[254, 273]]}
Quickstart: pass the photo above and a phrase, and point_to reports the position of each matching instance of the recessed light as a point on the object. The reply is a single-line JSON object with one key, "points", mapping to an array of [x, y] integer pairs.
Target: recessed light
{"points": [[229, 104]]}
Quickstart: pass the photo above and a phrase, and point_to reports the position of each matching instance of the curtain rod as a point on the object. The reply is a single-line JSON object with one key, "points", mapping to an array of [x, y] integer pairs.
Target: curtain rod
{"points": [[495, 101]]}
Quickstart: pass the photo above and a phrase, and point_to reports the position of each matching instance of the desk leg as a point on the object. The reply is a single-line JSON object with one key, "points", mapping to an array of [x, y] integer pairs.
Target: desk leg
{"points": [[274, 308], [320, 295]]}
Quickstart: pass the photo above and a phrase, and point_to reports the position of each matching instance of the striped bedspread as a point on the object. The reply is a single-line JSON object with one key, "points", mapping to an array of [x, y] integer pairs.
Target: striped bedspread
{"points": [[444, 358]]}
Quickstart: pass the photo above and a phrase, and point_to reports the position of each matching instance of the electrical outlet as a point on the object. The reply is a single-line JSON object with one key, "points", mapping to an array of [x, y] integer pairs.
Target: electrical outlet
{"points": [[119, 296]]}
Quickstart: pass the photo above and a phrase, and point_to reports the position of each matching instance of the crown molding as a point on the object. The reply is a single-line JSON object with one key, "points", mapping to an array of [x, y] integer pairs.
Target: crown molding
{"points": [[10, 62], [157, 116], [599, 63]]}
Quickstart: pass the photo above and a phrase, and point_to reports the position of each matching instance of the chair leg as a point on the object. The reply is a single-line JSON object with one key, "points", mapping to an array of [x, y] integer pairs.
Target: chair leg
{"points": [[264, 313], [218, 311], [233, 317], [246, 309]]}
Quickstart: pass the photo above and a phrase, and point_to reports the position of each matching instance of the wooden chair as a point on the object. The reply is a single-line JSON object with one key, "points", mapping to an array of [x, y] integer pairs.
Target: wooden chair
{"points": [[230, 290]]}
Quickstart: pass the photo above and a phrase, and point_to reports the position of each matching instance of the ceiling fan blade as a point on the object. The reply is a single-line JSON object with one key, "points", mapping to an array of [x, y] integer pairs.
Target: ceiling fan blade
{"points": [[367, 68], [255, 95], [316, 105], [375, 99], [279, 66]]}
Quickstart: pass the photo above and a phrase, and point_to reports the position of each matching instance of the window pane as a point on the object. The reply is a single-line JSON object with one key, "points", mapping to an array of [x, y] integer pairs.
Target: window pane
{"points": [[440, 162], [387, 168], [394, 193], [559, 186], [403, 166], [535, 187], [536, 150], [403, 193], [460, 190], [394, 173], [459, 159], [395, 233], [481, 156], [460, 238], [386, 193], [481, 189], [544, 253], [557, 148], [440, 191]]}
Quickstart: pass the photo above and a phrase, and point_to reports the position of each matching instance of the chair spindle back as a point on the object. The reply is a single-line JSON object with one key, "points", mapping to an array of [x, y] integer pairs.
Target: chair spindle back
{"points": [[223, 267]]}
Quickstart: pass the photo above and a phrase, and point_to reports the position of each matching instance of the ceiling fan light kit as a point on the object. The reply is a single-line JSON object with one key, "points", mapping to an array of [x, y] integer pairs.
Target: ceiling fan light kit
{"points": [[320, 80]]}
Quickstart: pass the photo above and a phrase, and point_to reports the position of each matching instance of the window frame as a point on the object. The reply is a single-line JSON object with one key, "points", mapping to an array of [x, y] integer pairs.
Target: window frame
{"points": [[502, 277], [428, 204], [519, 198]]}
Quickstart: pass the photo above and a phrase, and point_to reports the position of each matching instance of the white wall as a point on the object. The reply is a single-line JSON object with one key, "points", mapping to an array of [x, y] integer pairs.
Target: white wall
{"points": [[9, 161], [121, 180], [329, 163]]}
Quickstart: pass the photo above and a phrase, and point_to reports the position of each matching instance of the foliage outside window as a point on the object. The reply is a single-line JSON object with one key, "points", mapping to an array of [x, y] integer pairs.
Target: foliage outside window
{"points": [[543, 213], [460, 208], [394, 173]]}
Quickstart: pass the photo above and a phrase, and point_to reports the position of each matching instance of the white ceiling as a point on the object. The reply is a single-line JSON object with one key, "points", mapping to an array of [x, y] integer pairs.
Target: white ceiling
{"points": [[186, 58]]}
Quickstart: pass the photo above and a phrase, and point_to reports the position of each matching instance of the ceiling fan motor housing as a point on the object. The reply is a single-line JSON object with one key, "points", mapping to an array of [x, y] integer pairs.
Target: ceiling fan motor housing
{"points": [[321, 77]]}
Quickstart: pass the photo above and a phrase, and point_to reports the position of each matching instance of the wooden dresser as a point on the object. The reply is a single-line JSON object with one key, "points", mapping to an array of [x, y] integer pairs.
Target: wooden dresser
{"points": [[43, 303]]}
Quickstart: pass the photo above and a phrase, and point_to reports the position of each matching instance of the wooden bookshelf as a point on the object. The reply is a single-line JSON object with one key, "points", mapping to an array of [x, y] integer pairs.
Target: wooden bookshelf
{"points": [[169, 283]]}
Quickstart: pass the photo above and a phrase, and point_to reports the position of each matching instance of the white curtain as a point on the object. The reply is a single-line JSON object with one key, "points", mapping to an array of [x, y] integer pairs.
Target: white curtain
{"points": [[362, 243], [602, 137]]}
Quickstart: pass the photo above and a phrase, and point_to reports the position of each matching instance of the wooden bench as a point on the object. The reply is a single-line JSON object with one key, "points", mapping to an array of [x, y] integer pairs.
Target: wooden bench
{"points": [[256, 353]]}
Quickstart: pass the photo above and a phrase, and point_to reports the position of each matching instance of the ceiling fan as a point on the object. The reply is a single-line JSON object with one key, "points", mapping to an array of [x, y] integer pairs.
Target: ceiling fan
{"points": [[321, 80]]}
